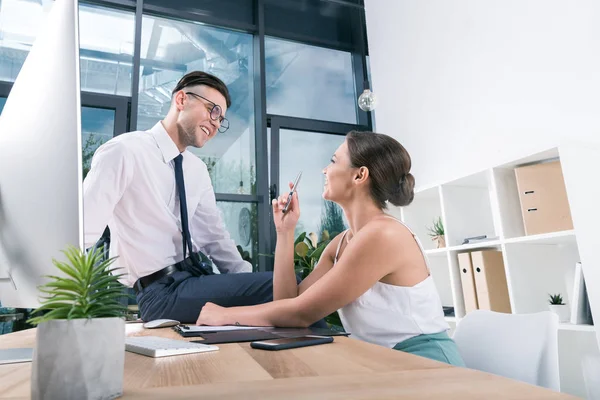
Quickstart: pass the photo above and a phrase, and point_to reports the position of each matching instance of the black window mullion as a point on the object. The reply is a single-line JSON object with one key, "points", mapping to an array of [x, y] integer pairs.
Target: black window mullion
{"points": [[260, 131], [137, 51]]}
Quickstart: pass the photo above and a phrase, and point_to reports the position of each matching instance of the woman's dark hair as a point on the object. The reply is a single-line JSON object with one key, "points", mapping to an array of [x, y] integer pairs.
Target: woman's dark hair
{"points": [[202, 78], [388, 163]]}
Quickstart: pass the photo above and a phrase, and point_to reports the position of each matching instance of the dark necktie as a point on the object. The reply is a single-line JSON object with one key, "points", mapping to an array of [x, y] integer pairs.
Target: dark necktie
{"points": [[203, 265]]}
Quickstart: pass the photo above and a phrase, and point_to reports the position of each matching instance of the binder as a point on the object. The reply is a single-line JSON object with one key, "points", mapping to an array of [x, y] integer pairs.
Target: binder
{"points": [[468, 282], [543, 197], [490, 281]]}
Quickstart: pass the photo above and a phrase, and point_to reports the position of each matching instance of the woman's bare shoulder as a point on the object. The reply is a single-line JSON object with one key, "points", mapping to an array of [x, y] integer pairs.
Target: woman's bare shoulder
{"points": [[388, 228]]}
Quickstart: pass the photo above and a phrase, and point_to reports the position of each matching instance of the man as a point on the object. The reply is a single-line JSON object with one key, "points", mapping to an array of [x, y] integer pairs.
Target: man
{"points": [[158, 201]]}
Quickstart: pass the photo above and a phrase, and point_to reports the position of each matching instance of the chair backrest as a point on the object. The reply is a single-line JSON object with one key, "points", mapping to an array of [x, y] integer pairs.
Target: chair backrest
{"points": [[517, 346]]}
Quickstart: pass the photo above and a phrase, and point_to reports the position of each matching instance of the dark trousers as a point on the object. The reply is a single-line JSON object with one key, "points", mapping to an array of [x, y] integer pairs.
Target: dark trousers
{"points": [[181, 296]]}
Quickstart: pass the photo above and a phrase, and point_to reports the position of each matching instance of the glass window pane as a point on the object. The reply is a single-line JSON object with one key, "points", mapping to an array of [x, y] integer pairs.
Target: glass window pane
{"points": [[170, 49], [97, 127], [309, 82], [2, 102], [241, 221], [316, 214], [227, 10], [106, 49], [324, 22], [106, 43]]}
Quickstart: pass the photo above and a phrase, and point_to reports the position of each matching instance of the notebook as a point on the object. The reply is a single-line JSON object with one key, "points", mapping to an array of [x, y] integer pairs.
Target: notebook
{"points": [[250, 335]]}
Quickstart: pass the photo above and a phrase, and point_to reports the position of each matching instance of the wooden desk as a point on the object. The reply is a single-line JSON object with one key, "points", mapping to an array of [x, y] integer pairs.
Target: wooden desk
{"points": [[345, 369]]}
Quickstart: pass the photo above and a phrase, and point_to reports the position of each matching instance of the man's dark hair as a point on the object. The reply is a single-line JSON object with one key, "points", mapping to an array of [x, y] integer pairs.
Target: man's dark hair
{"points": [[202, 78]]}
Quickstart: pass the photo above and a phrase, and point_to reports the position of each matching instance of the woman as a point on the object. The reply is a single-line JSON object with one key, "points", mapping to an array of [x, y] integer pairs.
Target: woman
{"points": [[375, 274]]}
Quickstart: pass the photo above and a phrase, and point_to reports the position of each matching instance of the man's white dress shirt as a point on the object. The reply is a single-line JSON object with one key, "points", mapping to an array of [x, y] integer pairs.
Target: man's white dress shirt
{"points": [[131, 188]]}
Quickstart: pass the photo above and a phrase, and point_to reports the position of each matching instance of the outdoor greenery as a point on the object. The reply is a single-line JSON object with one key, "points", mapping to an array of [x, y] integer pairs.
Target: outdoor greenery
{"points": [[332, 219], [89, 148]]}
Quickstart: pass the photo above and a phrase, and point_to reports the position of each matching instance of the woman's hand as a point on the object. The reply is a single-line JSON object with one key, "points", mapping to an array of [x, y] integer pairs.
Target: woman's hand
{"points": [[212, 314], [286, 222]]}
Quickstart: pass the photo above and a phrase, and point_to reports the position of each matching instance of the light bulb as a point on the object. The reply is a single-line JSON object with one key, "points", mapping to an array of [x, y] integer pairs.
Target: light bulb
{"points": [[367, 101]]}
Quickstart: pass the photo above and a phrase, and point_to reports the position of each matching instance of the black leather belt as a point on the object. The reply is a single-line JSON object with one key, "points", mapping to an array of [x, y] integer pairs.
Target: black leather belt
{"points": [[188, 264], [147, 280]]}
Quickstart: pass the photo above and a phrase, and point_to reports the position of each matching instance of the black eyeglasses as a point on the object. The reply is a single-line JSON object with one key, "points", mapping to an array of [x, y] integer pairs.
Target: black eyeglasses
{"points": [[215, 113]]}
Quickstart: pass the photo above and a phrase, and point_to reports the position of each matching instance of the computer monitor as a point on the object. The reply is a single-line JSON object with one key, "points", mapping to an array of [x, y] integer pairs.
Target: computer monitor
{"points": [[40, 161]]}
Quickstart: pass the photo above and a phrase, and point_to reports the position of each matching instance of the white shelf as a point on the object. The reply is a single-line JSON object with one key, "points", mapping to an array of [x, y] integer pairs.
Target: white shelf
{"points": [[436, 252], [480, 245], [562, 237], [421, 214], [487, 202], [578, 328], [562, 326]]}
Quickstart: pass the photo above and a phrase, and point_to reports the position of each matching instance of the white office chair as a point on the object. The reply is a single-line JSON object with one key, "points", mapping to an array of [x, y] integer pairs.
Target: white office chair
{"points": [[590, 366], [517, 346]]}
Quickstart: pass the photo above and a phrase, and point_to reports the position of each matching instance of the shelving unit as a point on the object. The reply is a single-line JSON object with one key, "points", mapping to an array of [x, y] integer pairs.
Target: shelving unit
{"points": [[487, 203]]}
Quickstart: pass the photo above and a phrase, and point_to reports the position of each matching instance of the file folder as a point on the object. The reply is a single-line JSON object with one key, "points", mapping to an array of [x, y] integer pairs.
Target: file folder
{"points": [[468, 282], [490, 281]]}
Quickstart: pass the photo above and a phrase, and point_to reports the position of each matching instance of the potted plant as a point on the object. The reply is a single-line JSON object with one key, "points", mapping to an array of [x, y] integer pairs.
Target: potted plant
{"points": [[437, 233], [80, 348], [558, 307]]}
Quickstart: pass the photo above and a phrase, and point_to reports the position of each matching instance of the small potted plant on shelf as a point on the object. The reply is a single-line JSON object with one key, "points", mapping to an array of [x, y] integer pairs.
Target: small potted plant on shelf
{"points": [[558, 307], [437, 233], [80, 349]]}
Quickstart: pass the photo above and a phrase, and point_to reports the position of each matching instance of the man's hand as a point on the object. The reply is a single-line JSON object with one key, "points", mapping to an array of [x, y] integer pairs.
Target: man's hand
{"points": [[212, 314]]}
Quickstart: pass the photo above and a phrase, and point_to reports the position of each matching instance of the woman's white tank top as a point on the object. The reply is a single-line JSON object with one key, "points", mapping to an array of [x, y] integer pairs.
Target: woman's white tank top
{"points": [[389, 314]]}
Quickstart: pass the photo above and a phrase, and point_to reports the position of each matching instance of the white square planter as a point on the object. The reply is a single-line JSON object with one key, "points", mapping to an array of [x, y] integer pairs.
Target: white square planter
{"points": [[79, 359], [562, 310]]}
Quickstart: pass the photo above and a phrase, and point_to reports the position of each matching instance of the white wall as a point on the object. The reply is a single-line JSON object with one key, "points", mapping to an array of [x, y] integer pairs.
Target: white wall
{"points": [[467, 84]]}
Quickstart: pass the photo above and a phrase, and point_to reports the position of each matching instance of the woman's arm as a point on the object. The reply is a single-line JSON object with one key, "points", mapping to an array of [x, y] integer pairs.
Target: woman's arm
{"points": [[285, 285], [284, 254], [284, 276], [371, 255]]}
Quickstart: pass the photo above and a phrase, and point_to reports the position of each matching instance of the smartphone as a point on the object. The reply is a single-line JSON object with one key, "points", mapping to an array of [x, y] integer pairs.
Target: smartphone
{"points": [[290, 343], [294, 186]]}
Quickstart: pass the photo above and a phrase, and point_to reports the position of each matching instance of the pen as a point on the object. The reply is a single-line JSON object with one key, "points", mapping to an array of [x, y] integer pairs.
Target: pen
{"points": [[289, 200]]}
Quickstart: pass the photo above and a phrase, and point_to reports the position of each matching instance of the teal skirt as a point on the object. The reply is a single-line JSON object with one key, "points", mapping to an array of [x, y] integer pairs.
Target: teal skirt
{"points": [[436, 346]]}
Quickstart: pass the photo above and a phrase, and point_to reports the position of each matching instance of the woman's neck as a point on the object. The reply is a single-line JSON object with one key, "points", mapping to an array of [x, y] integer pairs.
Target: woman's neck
{"points": [[360, 212]]}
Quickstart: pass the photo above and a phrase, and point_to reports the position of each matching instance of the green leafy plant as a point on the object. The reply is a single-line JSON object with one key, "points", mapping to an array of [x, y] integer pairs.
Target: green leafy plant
{"points": [[89, 290], [555, 299], [308, 250], [437, 229]]}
